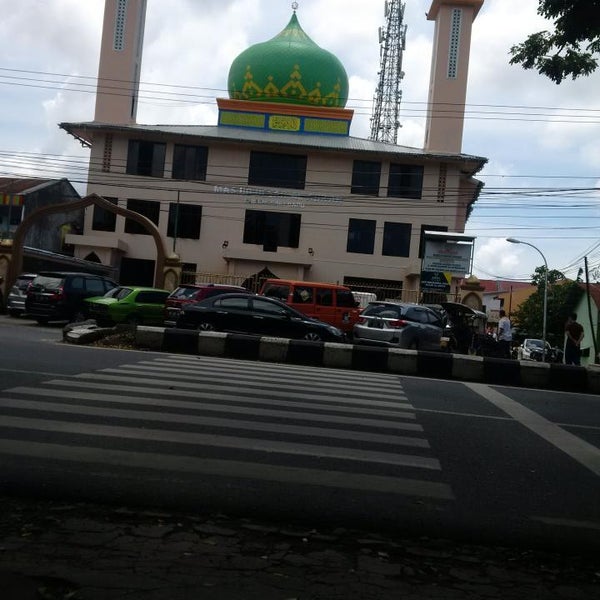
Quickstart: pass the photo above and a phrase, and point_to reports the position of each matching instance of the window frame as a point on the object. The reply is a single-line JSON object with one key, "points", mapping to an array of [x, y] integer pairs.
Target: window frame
{"points": [[363, 181], [399, 187], [189, 162], [365, 240], [189, 220], [268, 169], [136, 228], [390, 247], [146, 158]]}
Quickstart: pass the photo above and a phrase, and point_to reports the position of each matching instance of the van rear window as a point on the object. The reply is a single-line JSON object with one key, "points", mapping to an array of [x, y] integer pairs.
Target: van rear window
{"points": [[345, 298]]}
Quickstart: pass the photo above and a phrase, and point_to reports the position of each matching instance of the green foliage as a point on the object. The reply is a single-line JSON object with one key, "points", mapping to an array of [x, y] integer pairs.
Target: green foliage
{"points": [[570, 50], [563, 296]]}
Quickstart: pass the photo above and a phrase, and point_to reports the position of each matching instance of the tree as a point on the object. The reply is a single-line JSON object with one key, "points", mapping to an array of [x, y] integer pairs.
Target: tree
{"points": [[570, 50], [563, 296]]}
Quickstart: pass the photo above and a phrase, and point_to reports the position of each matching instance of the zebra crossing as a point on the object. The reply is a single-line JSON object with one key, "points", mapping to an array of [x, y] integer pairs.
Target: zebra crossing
{"points": [[246, 420]]}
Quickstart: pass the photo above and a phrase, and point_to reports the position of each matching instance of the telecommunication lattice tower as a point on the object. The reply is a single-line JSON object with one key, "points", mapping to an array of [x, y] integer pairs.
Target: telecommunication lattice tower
{"points": [[385, 119]]}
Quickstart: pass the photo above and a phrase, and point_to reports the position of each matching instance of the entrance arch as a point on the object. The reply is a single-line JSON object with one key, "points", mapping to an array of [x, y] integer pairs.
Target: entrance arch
{"points": [[16, 262]]}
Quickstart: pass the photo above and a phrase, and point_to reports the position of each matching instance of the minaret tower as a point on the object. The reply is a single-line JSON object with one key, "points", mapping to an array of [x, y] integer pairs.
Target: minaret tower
{"points": [[449, 70], [120, 61]]}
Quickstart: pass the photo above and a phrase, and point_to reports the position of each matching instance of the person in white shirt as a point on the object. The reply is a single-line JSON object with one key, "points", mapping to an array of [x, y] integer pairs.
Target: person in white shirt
{"points": [[504, 335]]}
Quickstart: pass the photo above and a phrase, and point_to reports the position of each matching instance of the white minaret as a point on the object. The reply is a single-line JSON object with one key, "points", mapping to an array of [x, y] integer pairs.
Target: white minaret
{"points": [[449, 71], [120, 61]]}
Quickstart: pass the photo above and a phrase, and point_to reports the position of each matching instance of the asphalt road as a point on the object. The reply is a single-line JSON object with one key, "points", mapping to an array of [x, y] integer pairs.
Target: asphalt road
{"points": [[469, 461]]}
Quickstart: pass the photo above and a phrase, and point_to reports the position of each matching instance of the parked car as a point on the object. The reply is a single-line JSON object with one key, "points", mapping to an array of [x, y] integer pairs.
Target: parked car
{"points": [[400, 325], [328, 302], [531, 349], [465, 330], [60, 295], [194, 292], [15, 302], [255, 315], [135, 305]]}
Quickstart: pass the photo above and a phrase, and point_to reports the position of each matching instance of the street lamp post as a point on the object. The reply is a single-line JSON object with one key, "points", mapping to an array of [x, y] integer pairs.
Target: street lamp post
{"points": [[515, 241]]}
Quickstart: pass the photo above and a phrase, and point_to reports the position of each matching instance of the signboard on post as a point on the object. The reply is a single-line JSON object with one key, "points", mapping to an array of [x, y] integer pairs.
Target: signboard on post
{"points": [[445, 255]]}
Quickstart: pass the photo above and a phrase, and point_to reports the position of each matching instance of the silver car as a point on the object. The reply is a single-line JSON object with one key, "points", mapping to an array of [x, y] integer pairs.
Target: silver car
{"points": [[15, 302], [400, 325]]}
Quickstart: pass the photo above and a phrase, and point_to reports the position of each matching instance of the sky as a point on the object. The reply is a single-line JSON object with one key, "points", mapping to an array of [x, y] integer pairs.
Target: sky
{"points": [[542, 178]]}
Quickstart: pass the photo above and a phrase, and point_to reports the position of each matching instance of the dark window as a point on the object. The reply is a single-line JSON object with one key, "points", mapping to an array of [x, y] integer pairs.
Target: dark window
{"points": [[396, 239], [279, 292], [77, 283], [233, 303], [265, 306], [146, 158], [425, 228], [184, 220], [104, 220], [96, 286], [365, 177], [188, 272], [189, 162], [12, 213], [303, 294], [361, 236], [405, 181], [151, 297], [324, 297], [272, 229], [148, 208], [345, 298], [277, 170]]}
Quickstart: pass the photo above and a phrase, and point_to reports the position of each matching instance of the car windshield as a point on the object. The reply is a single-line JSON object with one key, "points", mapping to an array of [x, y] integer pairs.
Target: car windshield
{"points": [[184, 292], [119, 294], [23, 282], [383, 311], [48, 282], [535, 343]]}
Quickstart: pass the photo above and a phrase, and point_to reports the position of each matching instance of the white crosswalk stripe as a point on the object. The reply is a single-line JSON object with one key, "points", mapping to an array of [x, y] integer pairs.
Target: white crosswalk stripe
{"points": [[243, 419]]}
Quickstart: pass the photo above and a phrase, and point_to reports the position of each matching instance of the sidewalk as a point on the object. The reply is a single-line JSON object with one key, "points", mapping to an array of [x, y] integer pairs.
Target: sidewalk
{"points": [[52, 550]]}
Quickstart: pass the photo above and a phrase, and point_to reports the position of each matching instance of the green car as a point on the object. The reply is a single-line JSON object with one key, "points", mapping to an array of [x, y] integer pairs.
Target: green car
{"points": [[125, 304]]}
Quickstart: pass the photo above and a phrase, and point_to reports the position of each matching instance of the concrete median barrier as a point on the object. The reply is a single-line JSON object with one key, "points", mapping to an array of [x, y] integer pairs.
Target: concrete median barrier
{"points": [[439, 365]]}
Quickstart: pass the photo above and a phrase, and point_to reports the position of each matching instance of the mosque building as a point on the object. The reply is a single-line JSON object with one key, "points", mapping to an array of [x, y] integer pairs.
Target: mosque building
{"points": [[278, 185]]}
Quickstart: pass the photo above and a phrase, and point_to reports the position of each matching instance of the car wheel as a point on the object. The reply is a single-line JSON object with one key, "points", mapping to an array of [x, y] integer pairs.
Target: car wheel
{"points": [[133, 320], [312, 336], [414, 345], [204, 326], [14, 313], [41, 321]]}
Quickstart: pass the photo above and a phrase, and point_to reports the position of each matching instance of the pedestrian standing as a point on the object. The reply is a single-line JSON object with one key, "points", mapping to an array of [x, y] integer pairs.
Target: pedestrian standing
{"points": [[574, 335], [504, 335]]}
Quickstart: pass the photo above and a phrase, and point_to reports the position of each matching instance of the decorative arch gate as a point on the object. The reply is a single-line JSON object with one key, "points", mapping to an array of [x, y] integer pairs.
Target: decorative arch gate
{"points": [[16, 261]]}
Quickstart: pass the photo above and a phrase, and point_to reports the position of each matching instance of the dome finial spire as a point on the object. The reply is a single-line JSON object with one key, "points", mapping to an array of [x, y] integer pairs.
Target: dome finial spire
{"points": [[294, 6]]}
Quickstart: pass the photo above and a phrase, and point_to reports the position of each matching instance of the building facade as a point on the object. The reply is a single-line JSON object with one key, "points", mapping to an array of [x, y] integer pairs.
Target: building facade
{"points": [[278, 184]]}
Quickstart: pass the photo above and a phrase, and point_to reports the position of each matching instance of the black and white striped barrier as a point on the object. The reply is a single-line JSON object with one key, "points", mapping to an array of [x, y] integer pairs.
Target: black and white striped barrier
{"points": [[438, 365]]}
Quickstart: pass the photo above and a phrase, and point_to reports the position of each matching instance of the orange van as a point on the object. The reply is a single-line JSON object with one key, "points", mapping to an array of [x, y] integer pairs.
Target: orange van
{"points": [[328, 302]]}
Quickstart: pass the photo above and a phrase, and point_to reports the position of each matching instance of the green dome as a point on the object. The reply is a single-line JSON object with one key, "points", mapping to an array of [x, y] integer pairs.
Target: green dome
{"points": [[290, 68]]}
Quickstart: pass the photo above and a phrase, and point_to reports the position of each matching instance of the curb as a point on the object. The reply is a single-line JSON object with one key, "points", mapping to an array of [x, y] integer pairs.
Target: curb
{"points": [[437, 365]]}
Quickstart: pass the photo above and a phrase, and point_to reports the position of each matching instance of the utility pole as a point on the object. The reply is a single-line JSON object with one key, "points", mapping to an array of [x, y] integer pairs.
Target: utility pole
{"points": [[385, 119]]}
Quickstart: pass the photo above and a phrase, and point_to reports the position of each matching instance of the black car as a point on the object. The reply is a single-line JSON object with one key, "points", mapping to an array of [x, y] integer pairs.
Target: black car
{"points": [[256, 315], [60, 295]]}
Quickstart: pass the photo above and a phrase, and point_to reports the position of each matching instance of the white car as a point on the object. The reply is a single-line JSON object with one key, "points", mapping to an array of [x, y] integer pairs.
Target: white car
{"points": [[531, 345]]}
